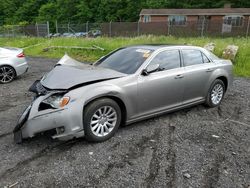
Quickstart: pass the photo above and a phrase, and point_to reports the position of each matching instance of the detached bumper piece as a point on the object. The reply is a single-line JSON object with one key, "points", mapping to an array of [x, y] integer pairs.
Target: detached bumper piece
{"points": [[38, 88], [17, 130], [18, 139]]}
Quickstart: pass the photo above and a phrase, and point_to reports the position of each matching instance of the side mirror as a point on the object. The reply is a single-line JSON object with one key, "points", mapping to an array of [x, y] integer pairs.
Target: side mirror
{"points": [[151, 69]]}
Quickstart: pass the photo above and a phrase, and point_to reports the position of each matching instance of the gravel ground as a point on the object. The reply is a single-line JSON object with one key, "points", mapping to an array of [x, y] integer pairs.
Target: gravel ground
{"points": [[195, 147]]}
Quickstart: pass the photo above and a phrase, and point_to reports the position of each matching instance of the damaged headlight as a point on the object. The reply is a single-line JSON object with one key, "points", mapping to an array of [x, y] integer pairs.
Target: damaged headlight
{"points": [[57, 101]]}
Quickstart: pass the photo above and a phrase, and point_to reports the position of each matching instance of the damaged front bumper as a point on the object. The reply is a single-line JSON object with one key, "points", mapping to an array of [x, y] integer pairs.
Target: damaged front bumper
{"points": [[66, 121], [17, 130]]}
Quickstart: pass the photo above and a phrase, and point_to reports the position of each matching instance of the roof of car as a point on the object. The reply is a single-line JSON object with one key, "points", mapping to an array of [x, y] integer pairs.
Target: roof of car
{"points": [[158, 46]]}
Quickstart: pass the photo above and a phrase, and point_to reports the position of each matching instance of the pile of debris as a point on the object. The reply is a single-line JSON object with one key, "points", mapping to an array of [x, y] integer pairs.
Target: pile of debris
{"points": [[230, 52]]}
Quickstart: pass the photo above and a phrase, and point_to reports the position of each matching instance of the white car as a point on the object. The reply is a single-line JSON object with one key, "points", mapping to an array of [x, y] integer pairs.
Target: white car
{"points": [[12, 64]]}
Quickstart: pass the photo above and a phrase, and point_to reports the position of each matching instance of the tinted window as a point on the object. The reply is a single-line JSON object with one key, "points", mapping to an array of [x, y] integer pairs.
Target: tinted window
{"points": [[167, 59], [192, 57], [125, 60]]}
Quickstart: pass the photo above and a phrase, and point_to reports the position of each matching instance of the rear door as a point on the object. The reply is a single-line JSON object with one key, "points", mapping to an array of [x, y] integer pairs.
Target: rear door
{"points": [[162, 89], [198, 69]]}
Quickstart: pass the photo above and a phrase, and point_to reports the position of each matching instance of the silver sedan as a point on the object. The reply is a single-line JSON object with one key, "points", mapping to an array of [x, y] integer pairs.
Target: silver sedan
{"points": [[129, 84], [12, 64]]}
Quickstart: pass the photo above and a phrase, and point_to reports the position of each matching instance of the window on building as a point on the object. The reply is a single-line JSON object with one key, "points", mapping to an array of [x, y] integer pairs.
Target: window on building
{"points": [[233, 20], [146, 18], [177, 20]]}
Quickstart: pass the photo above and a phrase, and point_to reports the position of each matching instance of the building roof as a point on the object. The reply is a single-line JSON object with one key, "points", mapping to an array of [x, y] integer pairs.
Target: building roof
{"points": [[215, 11]]}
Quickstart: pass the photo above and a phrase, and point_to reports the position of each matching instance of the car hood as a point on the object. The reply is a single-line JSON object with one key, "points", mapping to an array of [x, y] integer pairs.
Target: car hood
{"points": [[75, 74]]}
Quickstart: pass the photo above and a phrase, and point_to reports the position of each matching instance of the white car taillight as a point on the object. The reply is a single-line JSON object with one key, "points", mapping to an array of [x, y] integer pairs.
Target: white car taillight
{"points": [[21, 55]]}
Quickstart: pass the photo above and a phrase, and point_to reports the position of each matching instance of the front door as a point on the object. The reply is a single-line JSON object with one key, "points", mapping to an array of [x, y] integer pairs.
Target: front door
{"points": [[162, 89]]}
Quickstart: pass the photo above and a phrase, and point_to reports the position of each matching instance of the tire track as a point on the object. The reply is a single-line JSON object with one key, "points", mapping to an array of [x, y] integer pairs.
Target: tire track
{"points": [[212, 176], [134, 152], [5, 134], [154, 165], [61, 147], [171, 156]]}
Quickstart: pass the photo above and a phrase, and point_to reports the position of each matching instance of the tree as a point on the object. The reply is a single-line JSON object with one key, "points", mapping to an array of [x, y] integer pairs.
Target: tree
{"points": [[67, 10], [28, 11], [84, 12], [8, 9], [15, 11], [48, 12]]}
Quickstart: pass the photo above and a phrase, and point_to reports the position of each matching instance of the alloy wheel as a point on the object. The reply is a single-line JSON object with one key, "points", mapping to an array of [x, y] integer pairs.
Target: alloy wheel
{"points": [[103, 121], [7, 74], [217, 94]]}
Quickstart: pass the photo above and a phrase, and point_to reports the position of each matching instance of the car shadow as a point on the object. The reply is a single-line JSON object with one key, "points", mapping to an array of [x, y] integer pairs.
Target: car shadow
{"points": [[182, 112]]}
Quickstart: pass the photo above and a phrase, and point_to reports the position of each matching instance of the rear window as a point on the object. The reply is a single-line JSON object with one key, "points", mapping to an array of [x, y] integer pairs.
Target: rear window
{"points": [[192, 57]]}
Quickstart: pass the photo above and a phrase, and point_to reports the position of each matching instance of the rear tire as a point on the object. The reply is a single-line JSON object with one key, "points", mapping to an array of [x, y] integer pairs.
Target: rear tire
{"points": [[7, 74], [101, 119], [215, 93]]}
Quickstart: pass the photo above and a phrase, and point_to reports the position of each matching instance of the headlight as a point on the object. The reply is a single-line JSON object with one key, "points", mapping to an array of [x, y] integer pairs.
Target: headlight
{"points": [[57, 101]]}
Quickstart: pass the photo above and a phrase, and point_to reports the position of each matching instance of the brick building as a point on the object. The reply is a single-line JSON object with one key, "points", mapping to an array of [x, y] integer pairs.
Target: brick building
{"points": [[220, 20]]}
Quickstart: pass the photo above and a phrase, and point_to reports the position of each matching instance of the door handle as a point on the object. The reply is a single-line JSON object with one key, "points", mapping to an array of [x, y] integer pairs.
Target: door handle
{"points": [[178, 76], [209, 70]]}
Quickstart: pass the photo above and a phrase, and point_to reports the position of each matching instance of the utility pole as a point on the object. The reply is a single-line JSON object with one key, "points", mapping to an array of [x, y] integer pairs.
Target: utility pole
{"points": [[248, 25], [110, 29], [37, 30], [169, 25], [138, 28], [87, 26], [48, 28], [56, 27], [202, 26]]}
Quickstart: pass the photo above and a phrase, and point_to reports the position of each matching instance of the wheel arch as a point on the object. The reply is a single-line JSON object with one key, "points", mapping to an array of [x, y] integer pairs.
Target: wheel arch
{"points": [[224, 80], [118, 100]]}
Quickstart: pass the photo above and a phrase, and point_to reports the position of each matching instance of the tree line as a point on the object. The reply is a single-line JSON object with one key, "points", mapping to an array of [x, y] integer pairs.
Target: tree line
{"points": [[31, 11]]}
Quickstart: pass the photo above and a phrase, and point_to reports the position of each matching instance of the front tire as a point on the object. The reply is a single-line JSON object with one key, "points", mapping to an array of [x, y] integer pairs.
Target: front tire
{"points": [[101, 119], [215, 93]]}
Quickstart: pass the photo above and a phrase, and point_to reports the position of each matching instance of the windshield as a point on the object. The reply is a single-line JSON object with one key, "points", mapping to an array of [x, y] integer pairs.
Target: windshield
{"points": [[125, 60]]}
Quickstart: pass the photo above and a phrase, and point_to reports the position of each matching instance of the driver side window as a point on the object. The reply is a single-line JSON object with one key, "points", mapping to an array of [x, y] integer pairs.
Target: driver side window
{"points": [[169, 59]]}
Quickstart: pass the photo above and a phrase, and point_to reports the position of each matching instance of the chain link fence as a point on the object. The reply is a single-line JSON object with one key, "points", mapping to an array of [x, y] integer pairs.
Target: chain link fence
{"points": [[33, 30], [206, 28]]}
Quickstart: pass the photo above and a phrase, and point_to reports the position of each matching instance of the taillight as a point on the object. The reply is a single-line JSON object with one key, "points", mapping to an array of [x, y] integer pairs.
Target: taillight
{"points": [[21, 55]]}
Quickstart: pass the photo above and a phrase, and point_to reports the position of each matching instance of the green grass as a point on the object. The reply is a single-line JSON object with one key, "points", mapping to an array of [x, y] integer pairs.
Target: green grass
{"points": [[242, 61]]}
